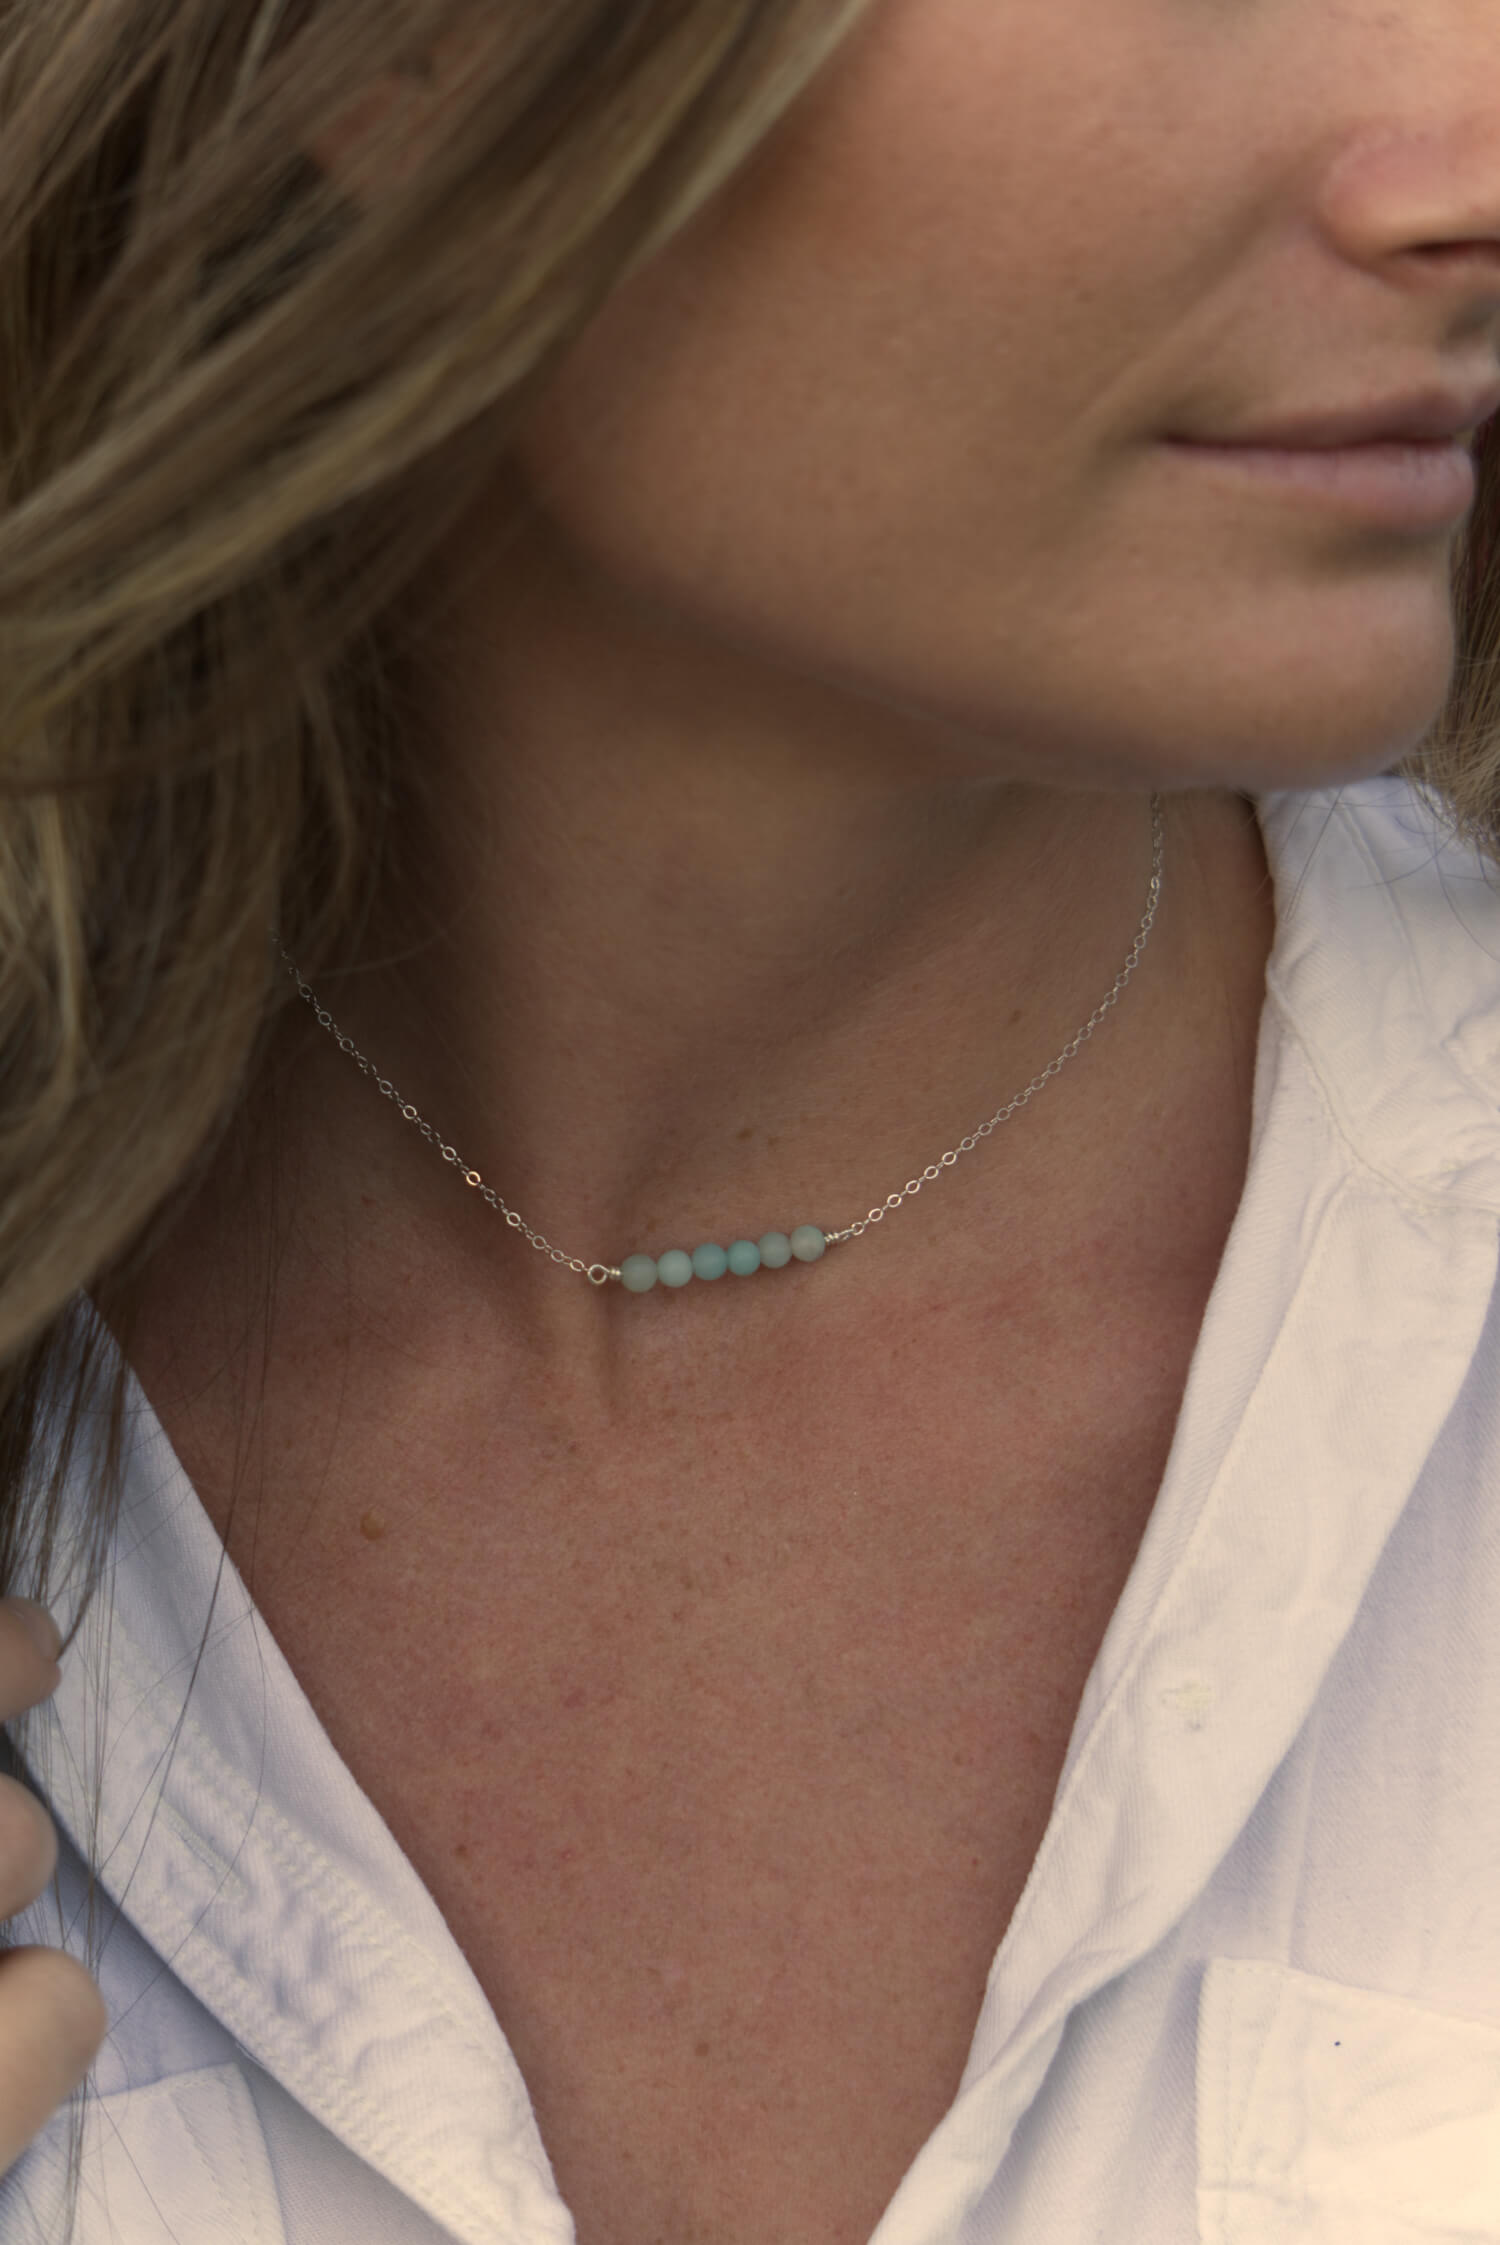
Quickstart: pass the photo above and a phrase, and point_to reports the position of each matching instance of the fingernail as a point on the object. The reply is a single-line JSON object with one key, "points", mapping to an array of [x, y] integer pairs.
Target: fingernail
{"points": [[37, 1623]]}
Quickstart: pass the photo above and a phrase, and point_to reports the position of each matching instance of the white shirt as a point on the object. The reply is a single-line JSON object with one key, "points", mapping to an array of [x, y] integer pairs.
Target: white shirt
{"points": [[1251, 1993]]}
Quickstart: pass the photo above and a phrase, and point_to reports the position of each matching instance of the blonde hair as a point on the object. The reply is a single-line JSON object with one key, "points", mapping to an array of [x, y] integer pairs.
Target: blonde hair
{"points": [[238, 413]]}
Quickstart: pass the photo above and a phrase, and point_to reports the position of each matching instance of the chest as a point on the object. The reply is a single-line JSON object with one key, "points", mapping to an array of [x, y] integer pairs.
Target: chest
{"points": [[725, 1740], [728, 1778]]}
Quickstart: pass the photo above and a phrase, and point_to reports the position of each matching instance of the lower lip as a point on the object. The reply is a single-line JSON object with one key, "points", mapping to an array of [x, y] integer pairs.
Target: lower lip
{"points": [[1421, 485]]}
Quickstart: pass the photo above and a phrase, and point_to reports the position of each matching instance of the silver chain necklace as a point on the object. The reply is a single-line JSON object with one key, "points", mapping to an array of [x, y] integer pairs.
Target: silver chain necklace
{"points": [[805, 1243]]}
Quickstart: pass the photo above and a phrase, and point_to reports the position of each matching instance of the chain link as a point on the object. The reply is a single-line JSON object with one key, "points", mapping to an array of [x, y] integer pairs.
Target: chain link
{"points": [[934, 1170], [599, 1274]]}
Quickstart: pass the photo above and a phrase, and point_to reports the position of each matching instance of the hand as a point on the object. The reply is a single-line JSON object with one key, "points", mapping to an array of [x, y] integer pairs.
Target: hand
{"points": [[52, 2016]]}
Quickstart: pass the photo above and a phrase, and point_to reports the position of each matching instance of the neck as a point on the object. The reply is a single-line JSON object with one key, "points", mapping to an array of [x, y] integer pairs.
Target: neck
{"points": [[688, 954]]}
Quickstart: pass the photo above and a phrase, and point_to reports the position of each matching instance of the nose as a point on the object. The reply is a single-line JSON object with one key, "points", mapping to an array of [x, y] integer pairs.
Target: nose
{"points": [[1412, 192]]}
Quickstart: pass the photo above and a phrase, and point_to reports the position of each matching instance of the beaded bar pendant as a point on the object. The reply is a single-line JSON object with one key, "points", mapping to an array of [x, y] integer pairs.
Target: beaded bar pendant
{"points": [[774, 1250]]}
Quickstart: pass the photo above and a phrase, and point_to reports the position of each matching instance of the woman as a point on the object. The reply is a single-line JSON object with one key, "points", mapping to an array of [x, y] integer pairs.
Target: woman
{"points": [[772, 601]]}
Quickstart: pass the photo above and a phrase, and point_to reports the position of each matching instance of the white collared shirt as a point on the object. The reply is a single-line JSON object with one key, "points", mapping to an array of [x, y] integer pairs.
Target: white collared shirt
{"points": [[1251, 1993]]}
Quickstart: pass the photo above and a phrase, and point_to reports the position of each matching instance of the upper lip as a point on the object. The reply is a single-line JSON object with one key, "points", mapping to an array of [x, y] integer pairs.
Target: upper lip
{"points": [[1426, 414]]}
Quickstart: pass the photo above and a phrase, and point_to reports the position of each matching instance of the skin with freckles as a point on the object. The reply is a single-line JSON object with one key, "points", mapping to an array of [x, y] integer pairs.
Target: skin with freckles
{"points": [[794, 766]]}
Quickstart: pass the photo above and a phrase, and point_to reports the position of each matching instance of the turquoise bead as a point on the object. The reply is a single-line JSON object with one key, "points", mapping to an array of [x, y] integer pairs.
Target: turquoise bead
{"points": [[773, 1251]]}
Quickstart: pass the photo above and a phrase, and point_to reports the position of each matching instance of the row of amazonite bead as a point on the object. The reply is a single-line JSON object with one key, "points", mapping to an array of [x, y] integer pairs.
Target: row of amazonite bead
{"points": [[639, 1273]]}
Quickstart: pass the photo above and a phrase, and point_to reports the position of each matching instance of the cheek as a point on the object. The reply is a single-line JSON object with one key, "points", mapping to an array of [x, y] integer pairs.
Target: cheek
{"points": [[775, 423], [896, 343], [727, 415], [849, 458]]}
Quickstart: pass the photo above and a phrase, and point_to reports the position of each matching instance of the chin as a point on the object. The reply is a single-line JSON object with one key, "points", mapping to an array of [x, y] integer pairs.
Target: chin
{"points": [[1308, 713]]}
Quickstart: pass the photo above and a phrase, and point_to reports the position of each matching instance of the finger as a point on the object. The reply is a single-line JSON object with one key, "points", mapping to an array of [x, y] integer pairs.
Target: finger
{"points": [[28, 1847], [28, 1674], [52, 2022]]}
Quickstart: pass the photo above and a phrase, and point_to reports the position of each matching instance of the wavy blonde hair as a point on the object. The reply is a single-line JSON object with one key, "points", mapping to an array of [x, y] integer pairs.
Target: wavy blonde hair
{"points": [[238, 414]]}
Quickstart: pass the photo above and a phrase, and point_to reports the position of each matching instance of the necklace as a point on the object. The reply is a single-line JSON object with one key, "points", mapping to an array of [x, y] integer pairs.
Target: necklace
{"points": [[805, 1243]]}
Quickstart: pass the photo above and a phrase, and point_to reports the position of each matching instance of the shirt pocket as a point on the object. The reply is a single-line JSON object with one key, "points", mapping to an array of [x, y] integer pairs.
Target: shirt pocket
{"points": [[1331, 2115], [180, 2163]]}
